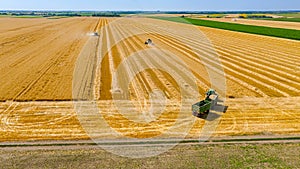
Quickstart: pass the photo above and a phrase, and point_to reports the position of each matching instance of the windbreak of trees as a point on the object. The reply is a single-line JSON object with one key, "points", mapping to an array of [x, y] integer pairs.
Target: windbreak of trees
{"points": [[106, 15], [254, 16], [60, 14], [250, 14]]}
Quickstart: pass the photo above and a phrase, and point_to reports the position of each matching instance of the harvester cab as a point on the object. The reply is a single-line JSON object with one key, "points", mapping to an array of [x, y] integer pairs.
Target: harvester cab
{"points": [[201, 109], [212, 95]]}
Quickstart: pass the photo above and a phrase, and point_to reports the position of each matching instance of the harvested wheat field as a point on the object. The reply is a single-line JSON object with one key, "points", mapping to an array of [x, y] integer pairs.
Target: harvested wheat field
{"points": [[57, 82], [38, 56], [275, 24]]}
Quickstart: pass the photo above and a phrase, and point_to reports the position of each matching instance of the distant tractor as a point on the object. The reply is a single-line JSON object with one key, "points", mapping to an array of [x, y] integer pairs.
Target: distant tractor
{"points": [[148, 42], [201, 109]]}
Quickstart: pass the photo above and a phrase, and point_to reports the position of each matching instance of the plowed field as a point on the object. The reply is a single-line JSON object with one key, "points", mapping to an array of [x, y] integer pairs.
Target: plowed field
{"points": [[56, 61]]}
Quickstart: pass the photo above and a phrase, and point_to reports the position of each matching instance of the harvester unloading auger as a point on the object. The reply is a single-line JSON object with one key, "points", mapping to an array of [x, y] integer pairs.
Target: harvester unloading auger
{"points": [[201, 109]]}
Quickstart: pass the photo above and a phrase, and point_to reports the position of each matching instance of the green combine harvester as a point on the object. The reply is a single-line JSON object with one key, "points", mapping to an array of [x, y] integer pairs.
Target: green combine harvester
{"points": [[202, 108]]}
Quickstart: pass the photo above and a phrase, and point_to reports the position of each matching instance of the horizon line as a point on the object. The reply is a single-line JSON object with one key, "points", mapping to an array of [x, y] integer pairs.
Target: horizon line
{"points": [[90, 10]]}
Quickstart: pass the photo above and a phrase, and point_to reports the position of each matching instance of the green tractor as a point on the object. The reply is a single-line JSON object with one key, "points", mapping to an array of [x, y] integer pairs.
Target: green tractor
{"points": [[201, 109]]}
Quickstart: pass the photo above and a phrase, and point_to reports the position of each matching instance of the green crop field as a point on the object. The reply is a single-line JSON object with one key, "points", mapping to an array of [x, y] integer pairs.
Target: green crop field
{"points": [[27, 16], [260, 30], [294, 15], [283, 19]]}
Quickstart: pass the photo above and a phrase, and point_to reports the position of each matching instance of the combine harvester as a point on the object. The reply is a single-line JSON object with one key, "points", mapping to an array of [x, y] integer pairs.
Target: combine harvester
{"points": [[93, 34], [148, 42], [201, 109]]}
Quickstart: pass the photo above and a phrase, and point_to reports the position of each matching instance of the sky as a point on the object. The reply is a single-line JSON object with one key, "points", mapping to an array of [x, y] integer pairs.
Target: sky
{"points": [[150, 5]]}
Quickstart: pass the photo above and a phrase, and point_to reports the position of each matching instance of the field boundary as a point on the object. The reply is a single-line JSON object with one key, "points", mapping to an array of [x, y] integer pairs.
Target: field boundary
{"points": [[258, 30], [281, 19], [213, 141]]}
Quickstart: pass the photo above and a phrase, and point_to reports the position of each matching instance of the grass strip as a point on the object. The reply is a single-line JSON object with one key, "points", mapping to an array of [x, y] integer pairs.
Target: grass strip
{"points": [[282, 19], [26, 16]]}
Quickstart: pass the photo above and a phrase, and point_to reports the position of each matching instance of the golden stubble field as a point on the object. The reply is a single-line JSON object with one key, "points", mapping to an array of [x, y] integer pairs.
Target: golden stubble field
{"points": [[49, 68]]}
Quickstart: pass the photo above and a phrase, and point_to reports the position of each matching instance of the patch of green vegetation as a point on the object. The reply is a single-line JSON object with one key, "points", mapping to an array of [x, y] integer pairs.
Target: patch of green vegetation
{"points": [[215, 16], [57, 14], [284, 19], [254, 16], [294, 15], [58, 17], [182, 156], [27, 16], [259, 30]]}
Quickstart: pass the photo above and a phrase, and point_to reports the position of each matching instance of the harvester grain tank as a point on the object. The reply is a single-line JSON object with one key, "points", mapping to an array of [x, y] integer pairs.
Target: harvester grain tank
{"points": [[202, 108]]}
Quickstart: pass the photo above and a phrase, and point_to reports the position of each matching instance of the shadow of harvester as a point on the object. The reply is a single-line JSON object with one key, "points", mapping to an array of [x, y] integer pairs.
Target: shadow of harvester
{"points": [[219, 108]]}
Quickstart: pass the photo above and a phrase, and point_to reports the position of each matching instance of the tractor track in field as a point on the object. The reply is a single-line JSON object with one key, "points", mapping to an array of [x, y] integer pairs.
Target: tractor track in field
{"points": [[140, 84], [273, 83], [274, 71], [84, 81], [207, 61], [288, 84], [43, 23], [31, 36], [262, 47], [192, 63], [284, 87], [137, 47], [262, 57], [261, 51], [169, 42], [42, 73], [20, 27]]}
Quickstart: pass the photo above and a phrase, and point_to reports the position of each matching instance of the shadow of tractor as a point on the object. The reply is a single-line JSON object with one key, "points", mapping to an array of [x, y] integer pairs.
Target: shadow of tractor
{"points": [[215, 112]]}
